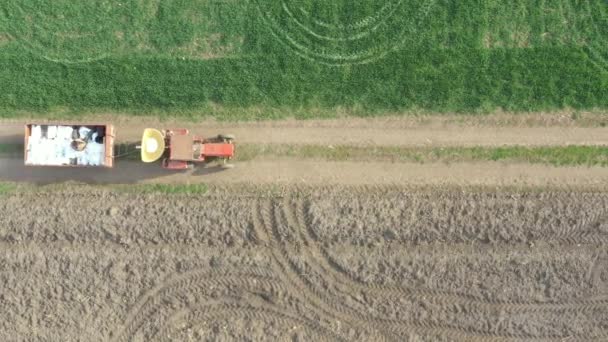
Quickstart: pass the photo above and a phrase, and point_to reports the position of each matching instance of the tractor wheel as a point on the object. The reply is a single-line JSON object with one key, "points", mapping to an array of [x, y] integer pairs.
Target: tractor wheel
{"points": [[226, 137]]}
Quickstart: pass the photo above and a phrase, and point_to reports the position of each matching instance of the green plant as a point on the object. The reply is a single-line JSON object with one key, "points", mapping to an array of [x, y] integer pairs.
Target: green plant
{"points": [[252, 60], [558, 155], [6, 188]]}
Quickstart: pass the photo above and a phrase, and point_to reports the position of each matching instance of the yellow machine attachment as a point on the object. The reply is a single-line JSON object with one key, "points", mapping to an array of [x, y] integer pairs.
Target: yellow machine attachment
{"points": [[152, 145]]}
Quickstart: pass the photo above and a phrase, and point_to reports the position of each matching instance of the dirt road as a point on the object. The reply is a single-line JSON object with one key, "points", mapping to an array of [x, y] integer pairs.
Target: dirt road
{"points": [[293, 171], [434, 131], [380, 131]]}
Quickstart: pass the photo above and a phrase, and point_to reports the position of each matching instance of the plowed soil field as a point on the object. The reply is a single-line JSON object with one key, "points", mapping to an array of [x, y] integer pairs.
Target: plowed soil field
{"points": [[304, 264]]}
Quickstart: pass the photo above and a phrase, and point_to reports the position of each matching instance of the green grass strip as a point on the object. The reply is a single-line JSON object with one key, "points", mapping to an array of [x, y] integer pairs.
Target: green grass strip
{"points": [[557, 156], [7, 188]]}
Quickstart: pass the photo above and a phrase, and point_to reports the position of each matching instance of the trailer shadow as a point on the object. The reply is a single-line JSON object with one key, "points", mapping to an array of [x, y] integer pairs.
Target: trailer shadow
{"points": [[12, 139], [124, 172]]}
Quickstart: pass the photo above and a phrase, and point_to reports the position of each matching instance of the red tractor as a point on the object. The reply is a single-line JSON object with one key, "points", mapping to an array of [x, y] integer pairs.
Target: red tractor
{"points": [[181, 150]]}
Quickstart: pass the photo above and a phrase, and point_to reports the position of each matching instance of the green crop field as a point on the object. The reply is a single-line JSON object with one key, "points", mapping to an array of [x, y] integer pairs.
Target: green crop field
{"points": [[273, 58]]}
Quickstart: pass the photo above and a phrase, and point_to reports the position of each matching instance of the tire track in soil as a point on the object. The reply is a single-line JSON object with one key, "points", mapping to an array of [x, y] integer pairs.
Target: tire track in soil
{"points": [[392, 295], [265, 226], [64, 247], [397, 327], [151, 300], [335, 266], [581, 233], [152, 306], [441, 298], [597, 269], [260, 312], [464, 299]]}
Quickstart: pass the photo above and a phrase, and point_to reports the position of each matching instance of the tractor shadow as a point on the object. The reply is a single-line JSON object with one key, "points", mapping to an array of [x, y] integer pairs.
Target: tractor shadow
{"points": [[203, 170]]}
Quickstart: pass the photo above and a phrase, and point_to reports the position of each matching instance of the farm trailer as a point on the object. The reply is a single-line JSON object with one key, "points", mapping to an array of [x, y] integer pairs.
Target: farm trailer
{"points": [[92, 145], [69, 145]]}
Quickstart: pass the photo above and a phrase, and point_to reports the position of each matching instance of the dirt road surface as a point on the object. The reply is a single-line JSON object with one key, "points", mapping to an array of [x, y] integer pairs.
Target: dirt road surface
{"points": [[379, 132], [294, 171], [391, 131], [332, 264]]}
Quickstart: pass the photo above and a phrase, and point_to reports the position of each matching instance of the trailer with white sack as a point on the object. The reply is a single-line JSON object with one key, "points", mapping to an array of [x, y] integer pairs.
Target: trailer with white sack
{"points": [[69, 145]]}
